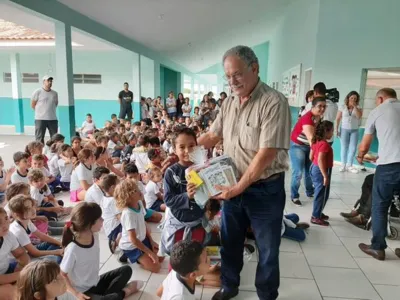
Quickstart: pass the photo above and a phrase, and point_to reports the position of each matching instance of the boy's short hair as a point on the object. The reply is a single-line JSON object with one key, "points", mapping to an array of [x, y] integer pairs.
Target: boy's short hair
{"points": [[88, 115], [183, 130], [16, 189], [18, 156], [38, 157], [109, 181], [35, 175], [153, 153], [153, 172], [113, 135], [185, 257], [143, 140], [113, 116], [101, 138], [213, 206], [137, 124], [131, 169], [17, 204], [155, 141], [100, 171]]}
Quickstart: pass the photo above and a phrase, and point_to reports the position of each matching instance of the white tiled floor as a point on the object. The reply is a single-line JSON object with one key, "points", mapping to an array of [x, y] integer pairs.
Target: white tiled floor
{"points": [[328, 265]]}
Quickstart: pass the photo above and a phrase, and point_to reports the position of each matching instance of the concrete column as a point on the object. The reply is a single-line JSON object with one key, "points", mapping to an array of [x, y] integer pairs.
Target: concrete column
{"points": [[192, 101], [179, 85], [17, 93], [136, 86], [157, 82], [64, 81]]}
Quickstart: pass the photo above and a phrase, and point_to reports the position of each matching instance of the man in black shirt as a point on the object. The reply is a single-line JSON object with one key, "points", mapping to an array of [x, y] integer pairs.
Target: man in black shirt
{"points": [[125, 99]]}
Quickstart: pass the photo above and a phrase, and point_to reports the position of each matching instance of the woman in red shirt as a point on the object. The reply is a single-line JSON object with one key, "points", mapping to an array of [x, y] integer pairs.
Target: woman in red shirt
{"points": [[321, 170], [299, 151]]}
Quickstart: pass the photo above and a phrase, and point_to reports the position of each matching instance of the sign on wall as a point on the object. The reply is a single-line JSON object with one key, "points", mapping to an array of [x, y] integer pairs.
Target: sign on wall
{"points": [[290, 85]]}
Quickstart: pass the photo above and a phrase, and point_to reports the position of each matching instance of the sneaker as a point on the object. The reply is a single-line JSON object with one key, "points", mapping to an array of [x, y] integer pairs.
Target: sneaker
{"points": [[112, 245], [297, 202], [123, 258], [342, 169], [324, 217], [353, 170], [302, 225], [319, 221]]}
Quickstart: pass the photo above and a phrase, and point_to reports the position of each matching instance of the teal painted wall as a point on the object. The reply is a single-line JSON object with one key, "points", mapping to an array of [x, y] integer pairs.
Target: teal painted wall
{"points": [[168, 82], [262, 52], [162, 82]]}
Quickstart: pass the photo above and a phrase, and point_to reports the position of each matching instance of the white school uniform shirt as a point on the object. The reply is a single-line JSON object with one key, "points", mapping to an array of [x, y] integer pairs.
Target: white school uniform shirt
{"points": [[94, 194], [110, 213], [141, 187], [17, 177], [81, 172], [10, 243], [131, 219], [141, 160], [186, 108], [171, 101], [39, 195], [166, 146], [82, 264], [86, 126], [53, 166], [65, 170], [21, 234], [46, 172], [2, 179], [111, 146], [152, 189], [175, 289]]}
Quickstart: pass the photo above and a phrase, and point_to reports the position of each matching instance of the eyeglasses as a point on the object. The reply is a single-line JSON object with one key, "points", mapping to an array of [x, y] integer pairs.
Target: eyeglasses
{"points": [[237, 76]]}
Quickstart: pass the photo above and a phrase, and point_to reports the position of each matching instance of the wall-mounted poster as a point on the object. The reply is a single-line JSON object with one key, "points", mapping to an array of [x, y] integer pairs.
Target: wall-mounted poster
{"points": [[290, 86]]}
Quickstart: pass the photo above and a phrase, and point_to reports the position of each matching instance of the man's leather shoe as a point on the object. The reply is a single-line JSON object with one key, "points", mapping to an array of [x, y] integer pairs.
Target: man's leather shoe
{"points": [[377, 254], [351, 214], [223, 294], [397, 252], [357, 221]]}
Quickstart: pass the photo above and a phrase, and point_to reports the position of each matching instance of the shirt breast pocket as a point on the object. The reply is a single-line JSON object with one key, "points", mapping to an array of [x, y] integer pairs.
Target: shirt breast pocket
{"points": [[250, 137]]}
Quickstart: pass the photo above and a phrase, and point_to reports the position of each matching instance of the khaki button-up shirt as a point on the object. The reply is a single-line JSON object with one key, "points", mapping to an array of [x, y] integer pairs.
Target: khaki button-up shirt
{"points": [[263, 121]]}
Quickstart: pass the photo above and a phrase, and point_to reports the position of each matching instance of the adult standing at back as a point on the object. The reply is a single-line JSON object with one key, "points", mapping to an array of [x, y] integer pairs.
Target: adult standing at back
{"points": [[384, 122], [349, 117], [44, 102], [254, 124], [125, 99]]}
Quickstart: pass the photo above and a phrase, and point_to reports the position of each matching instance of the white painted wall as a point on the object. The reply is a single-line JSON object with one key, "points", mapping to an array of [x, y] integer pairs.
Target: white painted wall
{"points": [[147, 77]]}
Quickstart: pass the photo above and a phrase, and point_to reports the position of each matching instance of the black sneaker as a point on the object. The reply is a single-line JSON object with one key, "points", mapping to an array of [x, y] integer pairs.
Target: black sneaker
{"points": [[324, 217], [297, 202], [123, 258], [222, 294], [111, 245]]}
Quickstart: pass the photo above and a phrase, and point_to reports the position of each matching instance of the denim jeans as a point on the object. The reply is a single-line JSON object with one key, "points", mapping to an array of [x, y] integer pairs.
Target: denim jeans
{"points": [[386, 182], [45, 246], [321, 193], [295, 234], [300, 159], [261, 207], [348, 142]]}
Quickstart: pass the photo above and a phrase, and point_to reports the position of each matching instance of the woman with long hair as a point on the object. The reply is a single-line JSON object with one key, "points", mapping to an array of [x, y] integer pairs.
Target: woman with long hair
{"points": [[179, 102], [349, 117]]}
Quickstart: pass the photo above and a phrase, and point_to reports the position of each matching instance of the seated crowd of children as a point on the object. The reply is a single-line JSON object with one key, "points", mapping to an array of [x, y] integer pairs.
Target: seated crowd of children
{"points": [[123, 176]]}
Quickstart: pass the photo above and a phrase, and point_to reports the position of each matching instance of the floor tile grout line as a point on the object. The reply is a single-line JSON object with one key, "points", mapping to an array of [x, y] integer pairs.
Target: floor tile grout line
{"points": [[312, 273]]}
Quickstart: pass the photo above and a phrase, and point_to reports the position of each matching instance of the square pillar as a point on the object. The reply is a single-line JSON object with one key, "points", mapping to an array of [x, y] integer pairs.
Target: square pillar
{"points": [[136, 87], [17, 93], [192, 100], [64, 81], [157, 81]]}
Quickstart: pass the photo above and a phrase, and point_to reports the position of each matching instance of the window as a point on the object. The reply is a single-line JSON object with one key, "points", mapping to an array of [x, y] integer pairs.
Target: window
{"points": [[87, 78], [26, 77], [187, 90], [6, 77]]}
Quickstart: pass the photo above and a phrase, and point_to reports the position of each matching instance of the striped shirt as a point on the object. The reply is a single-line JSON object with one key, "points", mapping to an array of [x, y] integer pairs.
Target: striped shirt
{"points": [[263, 121]]}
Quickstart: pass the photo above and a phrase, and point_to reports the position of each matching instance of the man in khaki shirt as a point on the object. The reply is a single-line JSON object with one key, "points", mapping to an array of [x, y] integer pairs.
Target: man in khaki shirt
{"points": [[254, 123]]}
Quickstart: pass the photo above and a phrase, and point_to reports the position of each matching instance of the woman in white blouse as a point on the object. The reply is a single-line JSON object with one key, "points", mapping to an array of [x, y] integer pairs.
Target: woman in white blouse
{"points": [[349, 116]]}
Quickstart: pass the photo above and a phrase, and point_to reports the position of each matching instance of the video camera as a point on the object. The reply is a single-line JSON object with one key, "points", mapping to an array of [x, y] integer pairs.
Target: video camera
{"points": [[333, 95]]}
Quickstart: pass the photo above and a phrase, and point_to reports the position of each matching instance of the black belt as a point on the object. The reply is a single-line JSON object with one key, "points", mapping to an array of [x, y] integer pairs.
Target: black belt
{"points": [[270, 178]]}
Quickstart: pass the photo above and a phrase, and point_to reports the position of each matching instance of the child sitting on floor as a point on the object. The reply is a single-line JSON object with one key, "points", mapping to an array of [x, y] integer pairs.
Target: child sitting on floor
{"points": [[95, 193], [12, 258], [81, 264], [136, 241], [293, 229], [35, 148], [22, 167], [139, 154], [66, 165], [23, 210], [51, 181], [82, 175], [154, 196], [5, 179]]}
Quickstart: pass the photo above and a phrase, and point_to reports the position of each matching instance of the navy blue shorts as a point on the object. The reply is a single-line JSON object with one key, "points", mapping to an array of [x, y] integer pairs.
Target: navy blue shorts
{"points": [[157, 205], [135, 254], [114, 234]]}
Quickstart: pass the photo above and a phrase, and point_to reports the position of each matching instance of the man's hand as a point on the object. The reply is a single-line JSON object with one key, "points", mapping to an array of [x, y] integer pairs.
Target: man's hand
{"points": [[227, 192], [326, 181]]}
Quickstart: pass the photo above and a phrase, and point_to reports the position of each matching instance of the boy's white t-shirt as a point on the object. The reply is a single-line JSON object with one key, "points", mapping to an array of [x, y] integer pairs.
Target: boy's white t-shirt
{"points": [[110, 212], [171, 101], [10, 243], [111, 146], [187, 108], [86, 126], [2, 179], [65, 170], [21, 234], [53, 166], [17, 177], [81, 172], [141, 160], [166, 146], [150, 196], [39, 195], [82, 264], [46, 172], [141, 187], [94, 194], [174, 289], [131, 219]]}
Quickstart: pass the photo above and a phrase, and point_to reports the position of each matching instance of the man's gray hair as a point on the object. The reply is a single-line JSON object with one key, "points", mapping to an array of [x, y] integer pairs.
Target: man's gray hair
{"points": [[244, 53]]}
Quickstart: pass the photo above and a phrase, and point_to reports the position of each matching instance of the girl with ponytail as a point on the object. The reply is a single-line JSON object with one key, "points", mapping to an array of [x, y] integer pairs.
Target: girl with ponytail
{"points": [[321, 156], [82, 175], [81, 263]]}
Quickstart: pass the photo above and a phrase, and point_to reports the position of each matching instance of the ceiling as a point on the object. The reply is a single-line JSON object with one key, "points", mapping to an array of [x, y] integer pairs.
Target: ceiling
{"points": [[193, 33], [84, 41]]}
